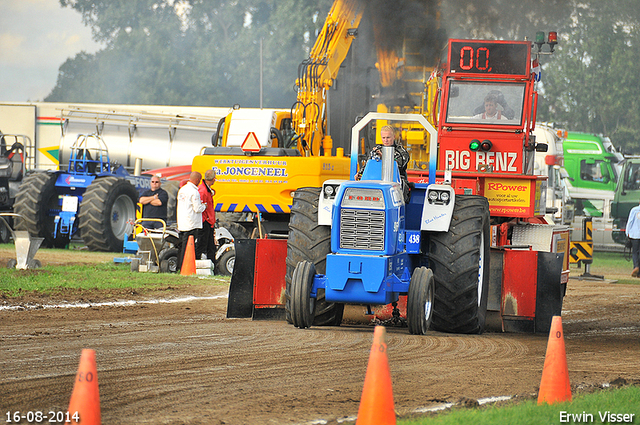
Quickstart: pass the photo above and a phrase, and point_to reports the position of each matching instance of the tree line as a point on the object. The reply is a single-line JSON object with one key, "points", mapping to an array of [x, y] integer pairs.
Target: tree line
{"points": [[207, 52]]}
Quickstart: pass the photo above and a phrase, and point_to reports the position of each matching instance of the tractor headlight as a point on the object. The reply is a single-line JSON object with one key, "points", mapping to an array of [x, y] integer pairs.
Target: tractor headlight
{"points": [[440, 197], [330, 190]]}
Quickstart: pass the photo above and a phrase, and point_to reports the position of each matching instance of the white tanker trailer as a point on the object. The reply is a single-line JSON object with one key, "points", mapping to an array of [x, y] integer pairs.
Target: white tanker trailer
{"points": [[137, 138], [157, 139]]}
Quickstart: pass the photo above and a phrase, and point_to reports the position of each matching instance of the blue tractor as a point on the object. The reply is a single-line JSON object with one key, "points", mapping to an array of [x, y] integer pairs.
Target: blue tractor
{"points": [[368, 247], [93, 196]]}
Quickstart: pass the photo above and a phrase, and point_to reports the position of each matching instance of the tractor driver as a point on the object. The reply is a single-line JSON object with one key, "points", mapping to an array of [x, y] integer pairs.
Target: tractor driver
{"points": [[491, 111], [400, 154], [154, 204]]}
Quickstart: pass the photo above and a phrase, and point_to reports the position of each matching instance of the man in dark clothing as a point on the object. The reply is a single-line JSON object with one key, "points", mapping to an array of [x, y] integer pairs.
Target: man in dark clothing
{"points": [[400, 155], [154, 204]]}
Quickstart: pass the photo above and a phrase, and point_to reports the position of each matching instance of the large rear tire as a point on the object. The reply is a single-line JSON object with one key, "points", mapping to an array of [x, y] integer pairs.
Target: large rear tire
{"points": [[236, 230], [302, 305], [171, 187], [37, 202], [311, 242], [420, 301], [109, 203], [459, 259]]}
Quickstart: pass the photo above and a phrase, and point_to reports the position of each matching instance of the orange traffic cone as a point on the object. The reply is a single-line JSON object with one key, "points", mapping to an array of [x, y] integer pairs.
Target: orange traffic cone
{"points": [[376, 404], [189, 260], [84, 406], [555, 386]]}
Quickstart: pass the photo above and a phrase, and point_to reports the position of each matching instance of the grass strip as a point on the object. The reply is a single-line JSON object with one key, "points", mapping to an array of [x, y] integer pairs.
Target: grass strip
{"points": [[600, 407], [51, 279]]}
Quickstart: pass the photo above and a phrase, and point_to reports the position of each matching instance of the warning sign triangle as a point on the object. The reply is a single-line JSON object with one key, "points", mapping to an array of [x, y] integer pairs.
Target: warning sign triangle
{"points": [[251, 143]]}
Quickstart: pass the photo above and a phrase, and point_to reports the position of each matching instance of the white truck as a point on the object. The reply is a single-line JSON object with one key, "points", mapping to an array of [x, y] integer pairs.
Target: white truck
{"points": [[550, 164]]}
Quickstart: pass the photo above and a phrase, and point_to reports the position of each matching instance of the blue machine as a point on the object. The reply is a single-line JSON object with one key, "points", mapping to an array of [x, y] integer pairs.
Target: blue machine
{"points": [[83, 169], [382, 247], [93, 197]]}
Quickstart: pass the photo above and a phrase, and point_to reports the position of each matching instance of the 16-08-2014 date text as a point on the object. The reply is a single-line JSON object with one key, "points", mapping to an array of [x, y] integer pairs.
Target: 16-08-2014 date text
{"points": [[37, 416]]}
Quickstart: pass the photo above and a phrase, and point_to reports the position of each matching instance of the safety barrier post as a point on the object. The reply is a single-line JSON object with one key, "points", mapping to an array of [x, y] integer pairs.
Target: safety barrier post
{"points": [[582, 251]]}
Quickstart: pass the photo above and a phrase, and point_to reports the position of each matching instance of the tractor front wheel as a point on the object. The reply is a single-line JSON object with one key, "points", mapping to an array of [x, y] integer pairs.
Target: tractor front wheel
{"points": [[303, 307], [459, 259], [310, 242], [420, 301], [226, 263], [168, 260]]}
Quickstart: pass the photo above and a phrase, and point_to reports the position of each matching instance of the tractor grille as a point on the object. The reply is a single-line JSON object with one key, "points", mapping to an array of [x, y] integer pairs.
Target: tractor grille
{"points": [[362, 229]]}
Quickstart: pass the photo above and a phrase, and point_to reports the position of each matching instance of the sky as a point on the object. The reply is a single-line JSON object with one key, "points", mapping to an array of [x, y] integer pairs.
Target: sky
{"points": [[36, 37]]}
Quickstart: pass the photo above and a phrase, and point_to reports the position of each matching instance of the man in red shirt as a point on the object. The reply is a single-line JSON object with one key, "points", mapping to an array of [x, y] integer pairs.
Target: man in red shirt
{"points": [[206, 241]]}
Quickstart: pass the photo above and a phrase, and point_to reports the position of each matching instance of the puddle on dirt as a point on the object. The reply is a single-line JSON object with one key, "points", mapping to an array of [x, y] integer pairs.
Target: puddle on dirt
{"points": [[434, 408], [124, 303]]}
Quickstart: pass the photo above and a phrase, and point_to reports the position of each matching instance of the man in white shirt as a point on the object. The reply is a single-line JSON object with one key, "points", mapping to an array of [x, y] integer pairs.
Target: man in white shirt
{"points": [[633, 233], [189, 212]]}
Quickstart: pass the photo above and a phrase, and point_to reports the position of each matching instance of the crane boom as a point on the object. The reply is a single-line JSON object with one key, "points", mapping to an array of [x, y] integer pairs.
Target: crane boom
{"points": [[316, 75]]}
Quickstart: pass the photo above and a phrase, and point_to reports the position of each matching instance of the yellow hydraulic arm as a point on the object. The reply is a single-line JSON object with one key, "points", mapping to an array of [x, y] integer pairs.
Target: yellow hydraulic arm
{"points": [[316, 75]]}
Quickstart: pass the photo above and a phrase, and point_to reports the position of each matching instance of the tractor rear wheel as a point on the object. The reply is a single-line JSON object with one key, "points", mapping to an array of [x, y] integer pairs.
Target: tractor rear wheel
{"points": [[302, 305], [236, 230], [37, 202], [171, 187], [109, 203], [459, 259], [420, 301], [311, 242]]}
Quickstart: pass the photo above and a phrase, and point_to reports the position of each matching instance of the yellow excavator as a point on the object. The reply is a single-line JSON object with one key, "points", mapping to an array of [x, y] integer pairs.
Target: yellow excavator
{"points": [[262, 156]]}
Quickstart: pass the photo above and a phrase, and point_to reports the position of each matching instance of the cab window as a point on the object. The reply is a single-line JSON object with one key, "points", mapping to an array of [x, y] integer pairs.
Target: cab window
{"points": [[594, 170], [475, 102], [632, 177]]}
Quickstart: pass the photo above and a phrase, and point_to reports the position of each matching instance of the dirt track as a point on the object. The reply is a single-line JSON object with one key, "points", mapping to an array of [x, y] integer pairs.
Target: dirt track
{"points": [[185, 363]]}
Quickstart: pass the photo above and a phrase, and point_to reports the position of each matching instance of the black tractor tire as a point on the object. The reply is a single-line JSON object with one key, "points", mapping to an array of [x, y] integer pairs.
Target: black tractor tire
{"points": [[171, 187], [34, 263], [236, 230], [109, 203], [168, 259], [459, 260], [5, 233], [302, 305], [36, 201], [135, 265], [311, 242], [226, 263], [420, 301]]}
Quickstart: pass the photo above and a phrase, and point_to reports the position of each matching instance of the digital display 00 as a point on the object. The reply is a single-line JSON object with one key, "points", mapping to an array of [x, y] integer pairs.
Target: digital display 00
{"points": [[489, 57]]}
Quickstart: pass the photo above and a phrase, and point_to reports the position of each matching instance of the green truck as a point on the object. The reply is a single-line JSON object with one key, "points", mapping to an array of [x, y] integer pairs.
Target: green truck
{"points": [[593, 166], [627, 196]]}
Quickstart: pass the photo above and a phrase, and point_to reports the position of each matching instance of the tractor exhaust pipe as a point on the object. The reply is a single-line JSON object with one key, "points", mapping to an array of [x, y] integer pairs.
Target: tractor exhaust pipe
{"points": [[387, 163]]}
